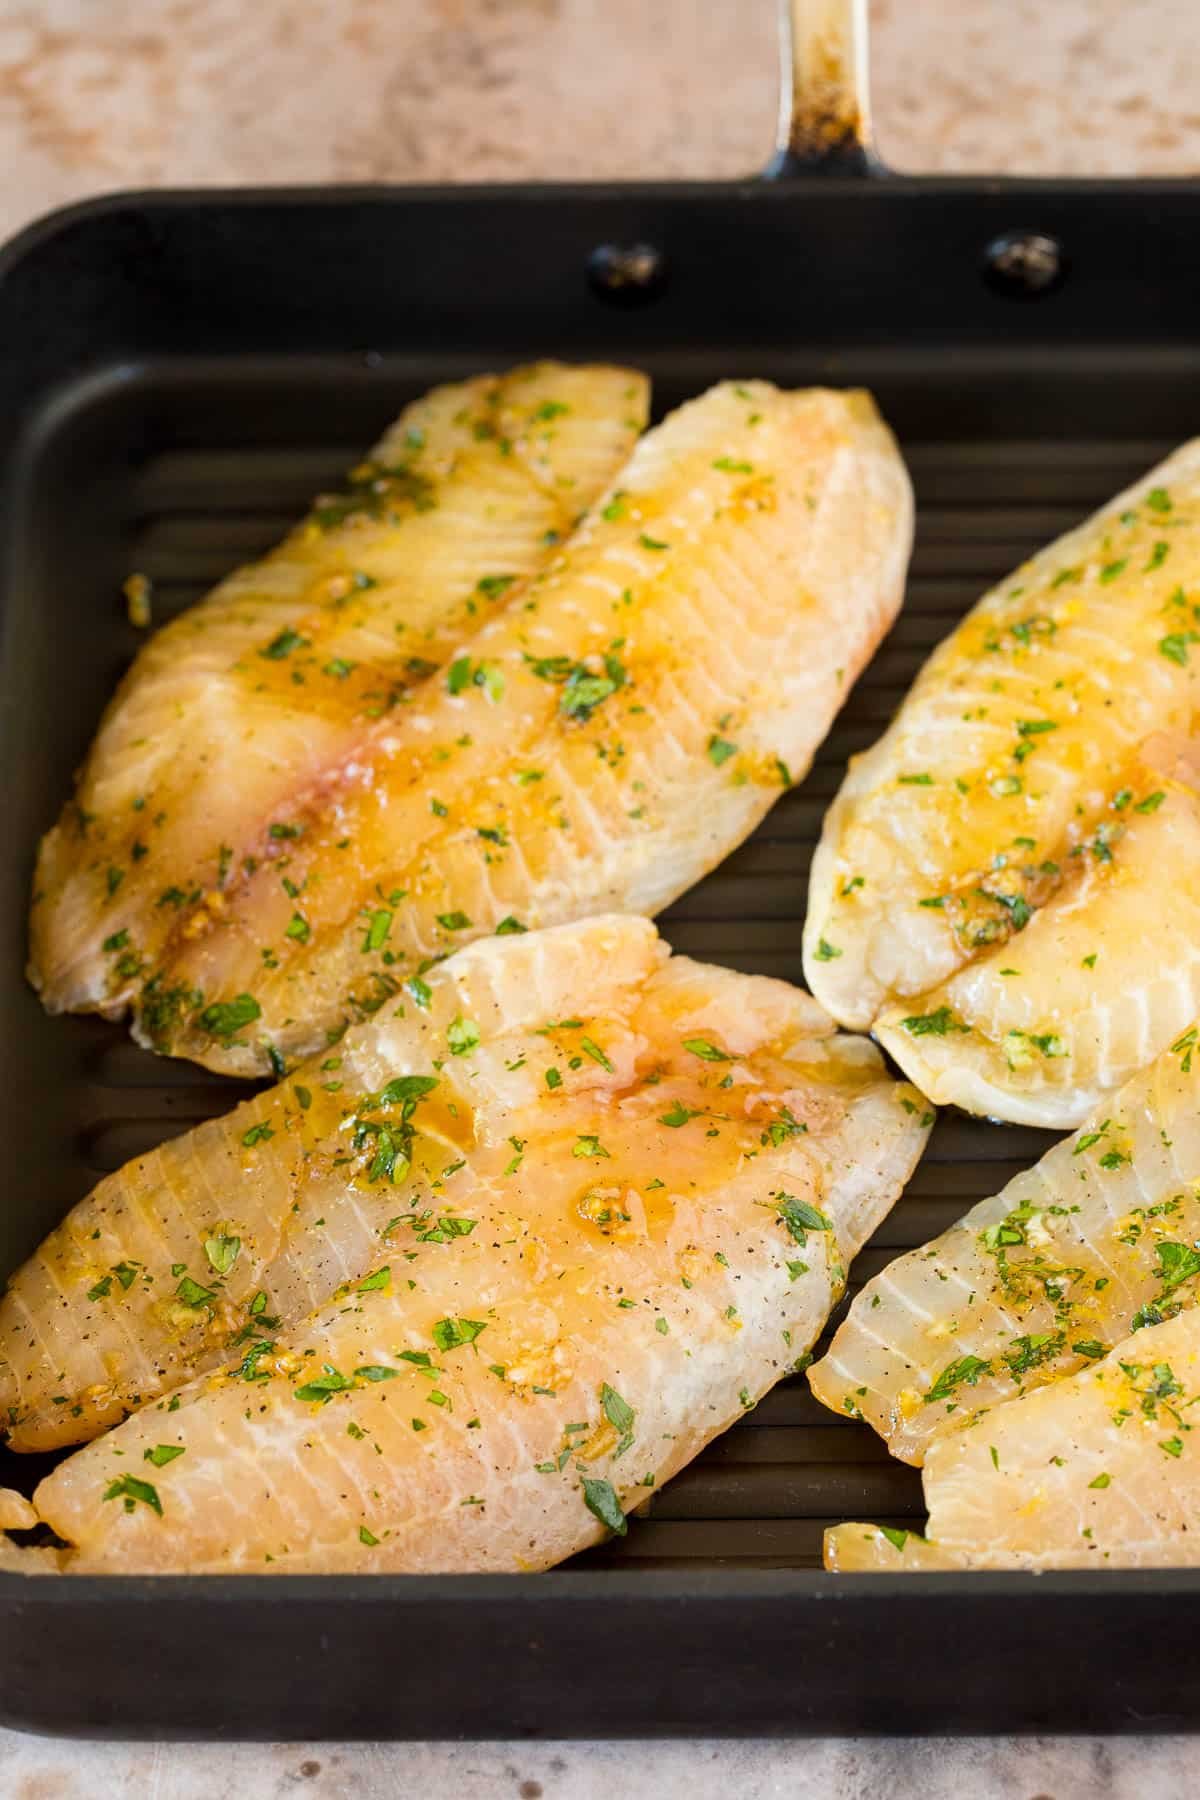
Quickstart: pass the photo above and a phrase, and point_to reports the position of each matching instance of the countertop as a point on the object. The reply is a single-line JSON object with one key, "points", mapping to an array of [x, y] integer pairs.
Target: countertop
{"points": [[104, 94]]}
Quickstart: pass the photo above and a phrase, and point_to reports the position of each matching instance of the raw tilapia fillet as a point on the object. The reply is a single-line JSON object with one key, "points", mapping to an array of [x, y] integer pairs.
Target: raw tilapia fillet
{"points": [[603, 741], [1097, 1240], [1007, 888], [1099, 1471], [244, 705], [472, 1307]]}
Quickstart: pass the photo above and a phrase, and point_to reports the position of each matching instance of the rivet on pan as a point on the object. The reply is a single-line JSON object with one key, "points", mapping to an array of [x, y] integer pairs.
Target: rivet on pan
{"points": [[1024, 264], [627, 273]]}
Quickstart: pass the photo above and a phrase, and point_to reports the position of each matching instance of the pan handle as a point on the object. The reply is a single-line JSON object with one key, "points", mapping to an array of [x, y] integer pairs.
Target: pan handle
{"points": [[824, 98]]}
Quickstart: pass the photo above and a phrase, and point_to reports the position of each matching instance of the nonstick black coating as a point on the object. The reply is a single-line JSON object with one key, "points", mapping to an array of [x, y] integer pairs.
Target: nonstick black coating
{"points": [[180, 377]]}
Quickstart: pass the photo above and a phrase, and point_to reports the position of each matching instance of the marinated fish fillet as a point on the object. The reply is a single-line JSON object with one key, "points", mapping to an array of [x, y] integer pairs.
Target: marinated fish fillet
{"points": [[1007, 889], [1097, 1240], [553, 1257], [601, 743], [219, 1235], [1098, 1471], [240, 708]]}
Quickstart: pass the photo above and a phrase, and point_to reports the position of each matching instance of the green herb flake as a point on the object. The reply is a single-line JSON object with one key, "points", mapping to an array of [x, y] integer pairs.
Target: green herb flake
{"points": [[451, 1334], [966, 1369], [492, 586], [933, 1024], [462, 1036], [800, 1217], [224, 1019], [600, 1498], [620, 1415], [379, 926], [1175, 647], [322, 1388], [419, 992], [129, 1489], [587, 1146], [162, 1454], [222, 1251], [706, 1051]]}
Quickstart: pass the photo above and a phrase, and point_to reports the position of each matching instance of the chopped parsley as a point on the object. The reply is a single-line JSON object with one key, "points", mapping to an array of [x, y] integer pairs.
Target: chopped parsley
{"points": [[964, 1369], [162, 1454], [462, 1036], [451, 1334], [933, 1024], [600, 1498], [283, 644], [129, 1489], [706, 1051], [225, 1018], [222, 1251], [620, 1415]]}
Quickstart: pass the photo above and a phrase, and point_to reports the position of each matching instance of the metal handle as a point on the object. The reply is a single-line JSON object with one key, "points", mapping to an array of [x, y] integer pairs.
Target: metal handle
{"points": [[824, 102]]}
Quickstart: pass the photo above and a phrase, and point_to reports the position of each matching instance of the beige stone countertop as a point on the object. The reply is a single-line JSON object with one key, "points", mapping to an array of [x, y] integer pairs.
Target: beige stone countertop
{"points": [[103, 94]]}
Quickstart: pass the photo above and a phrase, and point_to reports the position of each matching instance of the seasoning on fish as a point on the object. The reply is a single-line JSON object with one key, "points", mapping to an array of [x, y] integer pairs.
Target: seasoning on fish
{"points": [[538, 1259], [1099, 1471], [249, 704], [1093, 1242], [1007, 889], [600, 742]]}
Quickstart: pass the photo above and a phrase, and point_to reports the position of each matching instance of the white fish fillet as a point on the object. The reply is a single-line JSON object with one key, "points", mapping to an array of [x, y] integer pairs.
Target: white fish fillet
{"points": [[600, 743], [580, 1280], [1039, 1280], [1007, 889], [1099, 1471], [243, 705]]}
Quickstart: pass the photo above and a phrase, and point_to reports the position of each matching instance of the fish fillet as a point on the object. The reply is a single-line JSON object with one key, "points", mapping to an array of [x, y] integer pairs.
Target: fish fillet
{"points": [[513, 1274], [990, 894], [1095, 1241], [240, 707], [600, 743], [1099, 1471]]}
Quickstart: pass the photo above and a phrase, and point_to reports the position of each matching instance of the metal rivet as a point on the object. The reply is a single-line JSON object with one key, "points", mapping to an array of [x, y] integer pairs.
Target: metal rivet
{"points": [[1024, 264], [627, 273]]}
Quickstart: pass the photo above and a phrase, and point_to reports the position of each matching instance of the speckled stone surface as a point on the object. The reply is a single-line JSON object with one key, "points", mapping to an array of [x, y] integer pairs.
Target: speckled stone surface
{"points": [[103, 94]]}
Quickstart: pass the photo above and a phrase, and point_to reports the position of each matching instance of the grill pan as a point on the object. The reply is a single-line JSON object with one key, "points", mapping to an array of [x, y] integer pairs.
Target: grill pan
{"points": [[182, 372]]}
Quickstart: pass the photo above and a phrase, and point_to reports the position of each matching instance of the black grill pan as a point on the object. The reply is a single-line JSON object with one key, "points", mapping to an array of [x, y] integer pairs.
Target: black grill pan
{"points": [[180, 373]]}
